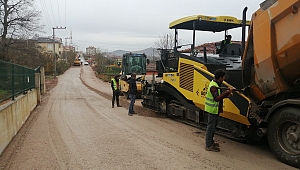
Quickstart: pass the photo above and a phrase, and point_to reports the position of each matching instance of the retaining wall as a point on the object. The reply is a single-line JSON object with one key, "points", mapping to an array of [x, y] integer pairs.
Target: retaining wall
{"points": [[13, 115]]}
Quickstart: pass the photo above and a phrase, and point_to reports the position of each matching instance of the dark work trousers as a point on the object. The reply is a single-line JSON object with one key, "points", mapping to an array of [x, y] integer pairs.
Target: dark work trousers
{"points": [[210, 129], [116, 94], [132, 101]]}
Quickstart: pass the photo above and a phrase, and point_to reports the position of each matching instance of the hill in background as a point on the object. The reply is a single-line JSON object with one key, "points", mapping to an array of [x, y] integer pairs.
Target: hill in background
{"points": [[148, 51], [210, 47]]}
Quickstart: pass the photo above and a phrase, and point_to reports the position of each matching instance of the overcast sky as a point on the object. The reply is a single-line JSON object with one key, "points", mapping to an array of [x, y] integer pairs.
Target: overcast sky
{"points": [[132, 24]]}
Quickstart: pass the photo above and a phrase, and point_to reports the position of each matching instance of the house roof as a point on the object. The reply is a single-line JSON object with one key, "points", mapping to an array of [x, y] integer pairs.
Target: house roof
{"points": [[48, 40]]}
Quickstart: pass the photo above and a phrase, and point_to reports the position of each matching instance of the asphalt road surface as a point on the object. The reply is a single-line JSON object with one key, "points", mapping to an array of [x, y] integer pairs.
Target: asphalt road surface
{"points": [[76, 128]]}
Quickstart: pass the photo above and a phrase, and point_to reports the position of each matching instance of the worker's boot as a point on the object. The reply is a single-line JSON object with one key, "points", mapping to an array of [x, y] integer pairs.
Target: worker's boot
{"points": [[212, 148], [118, 104], [216, 144]]}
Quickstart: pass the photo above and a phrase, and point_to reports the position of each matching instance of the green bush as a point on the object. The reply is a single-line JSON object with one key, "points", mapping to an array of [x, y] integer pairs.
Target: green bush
{"points": [[61, 67]]}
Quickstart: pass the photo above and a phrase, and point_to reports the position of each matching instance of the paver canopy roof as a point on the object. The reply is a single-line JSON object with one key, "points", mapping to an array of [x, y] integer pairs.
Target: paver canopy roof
{"points": [[207, 23]]}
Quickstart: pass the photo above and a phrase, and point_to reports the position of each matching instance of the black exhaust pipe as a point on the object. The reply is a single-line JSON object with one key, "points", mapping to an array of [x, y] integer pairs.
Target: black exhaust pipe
{"points": [[244, 31]]}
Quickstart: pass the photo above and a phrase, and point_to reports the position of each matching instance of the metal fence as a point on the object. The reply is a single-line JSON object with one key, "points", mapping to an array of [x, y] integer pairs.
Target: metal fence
{"points": [[15, 80]]}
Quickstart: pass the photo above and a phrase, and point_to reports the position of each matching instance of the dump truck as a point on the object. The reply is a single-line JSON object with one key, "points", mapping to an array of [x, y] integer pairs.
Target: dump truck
{"points": [[264, 69], [133, 63]]}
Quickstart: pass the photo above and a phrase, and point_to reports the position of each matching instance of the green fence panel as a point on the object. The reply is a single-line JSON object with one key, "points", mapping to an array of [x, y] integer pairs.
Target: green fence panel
{"points": [[15, 80]]}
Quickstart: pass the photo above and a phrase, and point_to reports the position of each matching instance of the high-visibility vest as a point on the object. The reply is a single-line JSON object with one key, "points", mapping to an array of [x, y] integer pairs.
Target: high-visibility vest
{"points": [[211, 106], [114, 83], [225, 42]]}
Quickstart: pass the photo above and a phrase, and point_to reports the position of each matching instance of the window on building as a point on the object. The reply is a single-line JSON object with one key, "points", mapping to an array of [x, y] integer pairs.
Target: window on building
{"points": [[50, 47]]}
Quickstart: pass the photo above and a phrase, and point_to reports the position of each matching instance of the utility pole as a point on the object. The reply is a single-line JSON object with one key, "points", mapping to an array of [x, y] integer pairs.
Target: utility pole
{"points": [[71, 39], [54, 56], [66, 51], [153, 54], [75, 48]]}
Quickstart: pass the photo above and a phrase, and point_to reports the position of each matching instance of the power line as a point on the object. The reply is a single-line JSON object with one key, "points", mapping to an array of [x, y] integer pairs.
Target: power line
{"points": [[65, 12], [65, 32], [58, 12], [36, 7], [54, 15], [44, 6], [52, 12], [43, 10]]}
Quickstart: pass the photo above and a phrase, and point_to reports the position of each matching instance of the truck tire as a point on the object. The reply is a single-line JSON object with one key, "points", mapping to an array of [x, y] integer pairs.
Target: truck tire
{"points": [[284, 135]]}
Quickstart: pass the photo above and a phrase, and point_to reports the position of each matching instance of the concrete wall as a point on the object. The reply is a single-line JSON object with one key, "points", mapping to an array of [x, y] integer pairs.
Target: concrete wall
{"points": [[14, 114]]}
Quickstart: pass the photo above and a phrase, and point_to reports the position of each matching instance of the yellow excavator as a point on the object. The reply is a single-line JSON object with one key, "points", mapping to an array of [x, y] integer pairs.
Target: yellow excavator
{"points": [[133, 63], [264, 70]]}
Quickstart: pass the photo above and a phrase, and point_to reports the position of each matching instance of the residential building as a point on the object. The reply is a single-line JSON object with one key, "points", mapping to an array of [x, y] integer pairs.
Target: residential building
{"points": [[69, 48], [90, 50], [47, 45]]}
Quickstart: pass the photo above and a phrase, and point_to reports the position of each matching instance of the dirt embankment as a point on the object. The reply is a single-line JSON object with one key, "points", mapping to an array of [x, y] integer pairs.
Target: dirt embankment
{"points": [[51, 83]]}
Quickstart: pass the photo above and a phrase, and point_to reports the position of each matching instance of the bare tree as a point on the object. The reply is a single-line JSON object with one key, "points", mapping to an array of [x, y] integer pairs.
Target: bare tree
{"points": [[101, 61], [18, 19], [165, 42], [71, 56]]}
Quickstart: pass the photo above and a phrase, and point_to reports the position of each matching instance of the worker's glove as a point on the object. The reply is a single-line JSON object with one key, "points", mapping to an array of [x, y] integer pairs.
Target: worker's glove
{"points": [[230, 91]]}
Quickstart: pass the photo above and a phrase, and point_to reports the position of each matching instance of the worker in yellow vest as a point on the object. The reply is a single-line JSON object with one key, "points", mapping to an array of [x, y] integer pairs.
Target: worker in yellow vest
{"points": [[213, 107], [115, 85], [224, 43]]}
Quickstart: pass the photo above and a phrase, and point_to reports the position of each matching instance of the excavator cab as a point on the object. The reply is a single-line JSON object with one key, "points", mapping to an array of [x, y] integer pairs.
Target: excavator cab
{"points": [[133, 63]]}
